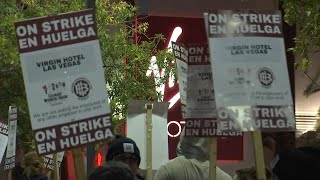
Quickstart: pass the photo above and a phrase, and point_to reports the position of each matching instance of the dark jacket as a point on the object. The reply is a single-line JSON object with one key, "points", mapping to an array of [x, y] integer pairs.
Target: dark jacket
{"points": [[17, 172], [298, 164]]}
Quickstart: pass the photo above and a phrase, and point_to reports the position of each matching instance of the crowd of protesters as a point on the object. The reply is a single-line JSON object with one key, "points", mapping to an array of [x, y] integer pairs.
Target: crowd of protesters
{"points": [[299, 162], [192, 162], [293, 161]]}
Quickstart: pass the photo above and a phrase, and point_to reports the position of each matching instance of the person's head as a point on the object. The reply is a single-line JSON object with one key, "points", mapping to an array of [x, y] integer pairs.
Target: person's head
{"points": [[309, 139], [251, 174], [32, 164], [112, 170], [193, 147], [245, 174], [125, 150]]}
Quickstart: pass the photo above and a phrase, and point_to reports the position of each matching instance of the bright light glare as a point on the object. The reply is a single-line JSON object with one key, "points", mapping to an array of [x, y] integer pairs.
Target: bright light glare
{"points": [[174, 99]]}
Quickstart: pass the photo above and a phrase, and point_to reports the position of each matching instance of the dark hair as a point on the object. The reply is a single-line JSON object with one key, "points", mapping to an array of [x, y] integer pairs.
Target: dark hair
{"points": [[112, 170], [32, 164], [250, 173]]}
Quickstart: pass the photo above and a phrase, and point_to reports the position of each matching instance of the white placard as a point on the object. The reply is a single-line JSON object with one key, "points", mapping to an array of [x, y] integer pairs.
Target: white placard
{"points": [[49, 161], [64, 80], [136, 130], [180, 54], [12, 134], [3, 139], [252, 87], [200, 92], [200, 112], [201, 109]]}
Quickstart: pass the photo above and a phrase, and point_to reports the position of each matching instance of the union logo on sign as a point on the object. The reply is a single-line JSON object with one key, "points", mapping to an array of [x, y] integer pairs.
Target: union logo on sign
{"points": [[265, 77], [81, 87]]}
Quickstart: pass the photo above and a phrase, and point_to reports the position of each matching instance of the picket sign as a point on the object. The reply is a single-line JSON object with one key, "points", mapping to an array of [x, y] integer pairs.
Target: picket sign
{"points": [[64, 81], [149, 108], [65, 84], [10, 158], [257, 140], [252, 90], [137, 130]]}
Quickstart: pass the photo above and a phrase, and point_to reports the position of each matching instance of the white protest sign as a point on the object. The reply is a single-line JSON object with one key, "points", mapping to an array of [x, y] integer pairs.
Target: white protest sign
{"points": [[200, 93], [12, 134], [64, 80], [136, 130], [3, 139], [49, 161], [180, 54], [201, 109], [200, 105], [251, 81]]}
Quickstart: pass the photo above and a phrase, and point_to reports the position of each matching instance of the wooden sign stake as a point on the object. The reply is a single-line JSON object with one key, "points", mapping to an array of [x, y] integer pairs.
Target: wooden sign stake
{"points": [[149, 108], [78, 164], [258, 153], [56, 167], [10, 175], [213, 159], [49, 174]]}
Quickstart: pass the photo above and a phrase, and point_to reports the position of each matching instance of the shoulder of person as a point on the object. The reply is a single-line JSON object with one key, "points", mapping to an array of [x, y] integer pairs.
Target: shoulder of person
{"points": [[221, 175], [175, 161], [162, 173]]}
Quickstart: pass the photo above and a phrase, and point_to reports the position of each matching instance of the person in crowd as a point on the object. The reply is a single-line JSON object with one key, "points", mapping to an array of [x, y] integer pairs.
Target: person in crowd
{"points": [[17, 172], [112, 170], [270, 150], [302, 162], [245, 174], [251, 174], [33, 167], [192, 161], [125, 150]]}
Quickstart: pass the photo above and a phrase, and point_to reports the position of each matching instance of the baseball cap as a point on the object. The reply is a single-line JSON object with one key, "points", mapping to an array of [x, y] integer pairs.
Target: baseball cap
{"points": [[120, 145]]}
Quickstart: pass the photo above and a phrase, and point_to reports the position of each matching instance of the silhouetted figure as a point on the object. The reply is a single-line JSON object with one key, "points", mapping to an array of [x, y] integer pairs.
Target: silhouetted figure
{"points": [[112, 170]]}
